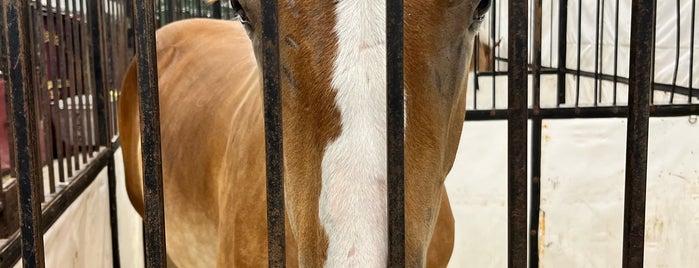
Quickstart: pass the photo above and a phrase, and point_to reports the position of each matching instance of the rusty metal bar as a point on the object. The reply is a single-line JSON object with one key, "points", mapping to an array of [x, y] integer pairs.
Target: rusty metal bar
{"points": [[144, 22], [22, 97], [562, 50], [517, 133], [78, 85], [535, 165], [273, 134], [395, 133], [637, 133]]}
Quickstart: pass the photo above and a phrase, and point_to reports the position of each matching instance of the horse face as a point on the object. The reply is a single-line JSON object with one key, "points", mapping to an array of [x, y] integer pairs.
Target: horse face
{"points": [[333, 83]]}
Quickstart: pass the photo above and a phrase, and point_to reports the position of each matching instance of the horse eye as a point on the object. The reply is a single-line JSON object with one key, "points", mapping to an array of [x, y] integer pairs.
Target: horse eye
{"points": [[483, 7]]}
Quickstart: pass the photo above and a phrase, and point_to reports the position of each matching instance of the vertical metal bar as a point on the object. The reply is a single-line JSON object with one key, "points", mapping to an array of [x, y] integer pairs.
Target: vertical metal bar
{"points": [[78, 85], [36, 109], [44, 102], [691, 52], [395, 132], [144, 18], [597, 51], [677, 53], [63, 94], [601, 52], [562, 50], [54, 60], [476, 58], [517, 133], [637, 133], [22, 97], [90, 89], [69, 86], [93, 9], [81, 82], [535, 164], [170, 6], [652, 70], [616, 53], [217, 10], [494, 54], [113, 222], [579, 49], [273, 134]]}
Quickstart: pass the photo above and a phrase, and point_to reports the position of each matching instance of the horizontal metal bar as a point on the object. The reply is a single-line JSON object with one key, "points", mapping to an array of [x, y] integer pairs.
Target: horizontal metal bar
{"points": [[587, 112]]}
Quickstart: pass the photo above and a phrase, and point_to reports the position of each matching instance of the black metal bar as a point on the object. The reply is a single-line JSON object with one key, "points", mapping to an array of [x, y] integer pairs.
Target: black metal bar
{"points": [[113, 222], [495, 54], [597, 52], [25, 134], [654, 55], [562, 46], [216, 10], [69, 86], [637, 132], [61, 89], [616, 53], [273, 134], [657, 87], [517, 133], [44, 101], [93, 9], [82, 32], [677, 51], [601, 49], [395, 132], [588, 112], [691, 51], [170, 7], [54, 65], [144, 18], [535, 164], [476, 57], [579, 49]]}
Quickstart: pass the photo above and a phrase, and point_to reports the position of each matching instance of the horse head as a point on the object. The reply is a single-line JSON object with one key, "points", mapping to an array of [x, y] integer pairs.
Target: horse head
{"points": [[333, 58]]}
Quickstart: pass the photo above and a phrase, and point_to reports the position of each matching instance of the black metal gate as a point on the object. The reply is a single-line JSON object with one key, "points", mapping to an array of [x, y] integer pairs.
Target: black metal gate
{"points": [[63, 61], [522, 241]]}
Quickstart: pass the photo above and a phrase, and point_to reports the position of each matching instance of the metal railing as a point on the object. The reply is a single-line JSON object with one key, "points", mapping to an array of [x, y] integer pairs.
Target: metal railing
{"points": [[522, 245], [63, 61]]}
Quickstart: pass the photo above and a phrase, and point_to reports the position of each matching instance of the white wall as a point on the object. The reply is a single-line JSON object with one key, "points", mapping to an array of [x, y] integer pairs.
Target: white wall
{"points": [[582, 191], [81, 237]]}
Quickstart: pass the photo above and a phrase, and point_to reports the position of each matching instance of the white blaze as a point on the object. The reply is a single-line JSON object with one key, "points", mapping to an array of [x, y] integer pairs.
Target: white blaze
{"points": [[353, 197]]}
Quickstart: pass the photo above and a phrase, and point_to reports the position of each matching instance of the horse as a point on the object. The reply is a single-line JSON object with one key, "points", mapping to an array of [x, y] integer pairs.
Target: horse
{"points": [[333, 77]]}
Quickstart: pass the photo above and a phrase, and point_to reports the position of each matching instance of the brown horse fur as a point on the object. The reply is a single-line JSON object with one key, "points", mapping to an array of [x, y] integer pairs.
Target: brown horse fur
{"points": [[213, 135]]}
